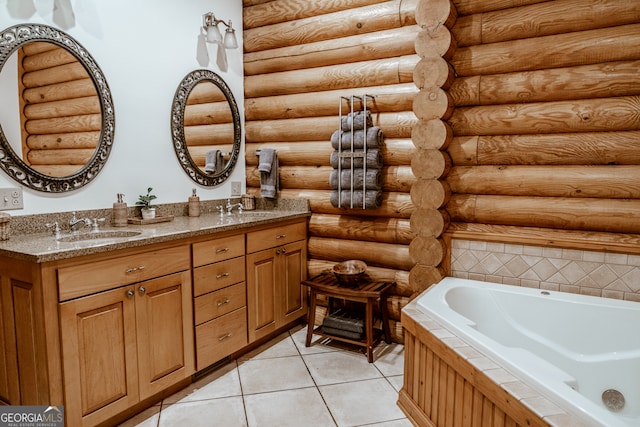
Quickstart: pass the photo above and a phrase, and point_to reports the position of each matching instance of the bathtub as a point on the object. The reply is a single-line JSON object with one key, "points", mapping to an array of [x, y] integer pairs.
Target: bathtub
{"points": [[578, 351]]}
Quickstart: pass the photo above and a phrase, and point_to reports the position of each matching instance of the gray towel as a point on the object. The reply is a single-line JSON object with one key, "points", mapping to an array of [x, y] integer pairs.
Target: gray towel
{"points": [[373, 179], [214, 162], [374, 139], [268, 173], [374, 159], [357, 120], [372, 198]]}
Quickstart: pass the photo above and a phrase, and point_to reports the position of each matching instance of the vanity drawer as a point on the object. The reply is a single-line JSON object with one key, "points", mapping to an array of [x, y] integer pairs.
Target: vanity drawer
{"points": [[220, 337], [215, 304], [97, 276], [215, 250], [276, 236], [216, 276]]}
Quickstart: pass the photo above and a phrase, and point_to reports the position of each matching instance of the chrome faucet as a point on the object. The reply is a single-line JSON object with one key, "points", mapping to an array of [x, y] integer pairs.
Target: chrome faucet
{"points": [[77, 223], [230, 207]]}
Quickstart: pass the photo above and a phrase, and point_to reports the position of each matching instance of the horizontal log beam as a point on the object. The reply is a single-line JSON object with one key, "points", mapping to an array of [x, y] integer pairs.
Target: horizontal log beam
{"points": [[602, 182], [365, 47], [589, 115], [542, 20], [375, 254], [565, 50], [47, 59], [64, 140], [587, 148], [393, 125], [626, 243], [64, 108], [604, 215], [60, 157], [209, 134], [59, 74], [378, 72], [86, 123], [388, 98], [383, 230], [469, 7], [56, 92], [207, 114], [328, 26]]}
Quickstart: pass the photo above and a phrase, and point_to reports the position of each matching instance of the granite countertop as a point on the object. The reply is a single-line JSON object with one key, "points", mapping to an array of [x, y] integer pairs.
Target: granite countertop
{"points": [[44, 247]]}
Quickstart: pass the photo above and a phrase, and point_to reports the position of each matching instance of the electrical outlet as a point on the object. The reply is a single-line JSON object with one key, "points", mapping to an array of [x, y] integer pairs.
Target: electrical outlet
{"points": [[11, 198], [236, 189]]}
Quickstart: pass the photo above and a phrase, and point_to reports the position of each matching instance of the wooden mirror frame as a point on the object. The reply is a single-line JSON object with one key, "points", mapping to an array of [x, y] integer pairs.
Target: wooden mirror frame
{"points": [[11, 39], [177, 128]]}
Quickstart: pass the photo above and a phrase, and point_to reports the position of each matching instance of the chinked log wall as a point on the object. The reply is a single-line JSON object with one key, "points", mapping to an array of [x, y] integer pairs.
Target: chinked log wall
{"points": [[61, 116], [300, 57], [529, 123]]}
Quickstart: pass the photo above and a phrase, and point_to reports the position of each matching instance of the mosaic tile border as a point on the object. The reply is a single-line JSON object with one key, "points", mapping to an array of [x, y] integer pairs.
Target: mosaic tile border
{"points": [[594, 273]]}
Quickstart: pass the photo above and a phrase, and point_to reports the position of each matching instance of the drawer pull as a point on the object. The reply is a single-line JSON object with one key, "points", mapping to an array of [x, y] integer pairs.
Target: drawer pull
{"points": [[218, 251], [134, 269], [225, 336], [281, 236], [226, 301], [220, 276]]}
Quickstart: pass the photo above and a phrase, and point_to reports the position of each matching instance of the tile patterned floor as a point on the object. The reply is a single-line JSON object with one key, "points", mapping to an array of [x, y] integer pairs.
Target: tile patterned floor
{"points": [[283, 383]]}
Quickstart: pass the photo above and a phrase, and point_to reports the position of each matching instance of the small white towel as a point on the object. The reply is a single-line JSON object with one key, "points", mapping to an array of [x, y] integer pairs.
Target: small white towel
{"points": [[268, 167], [214, 162]]}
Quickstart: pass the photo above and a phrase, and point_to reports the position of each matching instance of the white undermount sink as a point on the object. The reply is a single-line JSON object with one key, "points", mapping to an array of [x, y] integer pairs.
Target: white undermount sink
{"points": [[94, 235]]}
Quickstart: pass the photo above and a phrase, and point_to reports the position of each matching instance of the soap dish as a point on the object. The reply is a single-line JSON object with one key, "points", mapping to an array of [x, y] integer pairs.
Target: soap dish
{"points": [[157, 219]]}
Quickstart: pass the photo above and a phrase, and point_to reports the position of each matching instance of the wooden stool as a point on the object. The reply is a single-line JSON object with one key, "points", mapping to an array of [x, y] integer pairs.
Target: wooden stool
{"points": [[368, 292]]}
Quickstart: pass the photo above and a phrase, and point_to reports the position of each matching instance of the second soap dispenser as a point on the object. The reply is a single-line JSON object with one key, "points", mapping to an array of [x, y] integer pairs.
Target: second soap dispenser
{"points": [[194, 204]]}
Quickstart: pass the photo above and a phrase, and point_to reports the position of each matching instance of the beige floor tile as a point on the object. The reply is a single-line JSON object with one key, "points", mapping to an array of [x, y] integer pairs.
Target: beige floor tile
{"points": [[389, 358], [318, 344], [340, 367], [223, 382], [397, 381], [146, 418], [395, 423], [295, 408], [362, 402], [280, 346], [264, 375], [228, 411]]}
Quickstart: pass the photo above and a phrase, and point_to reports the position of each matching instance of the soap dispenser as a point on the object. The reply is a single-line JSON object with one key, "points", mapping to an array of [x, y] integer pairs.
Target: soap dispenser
{"points": [[120, 212], [194, 204]]}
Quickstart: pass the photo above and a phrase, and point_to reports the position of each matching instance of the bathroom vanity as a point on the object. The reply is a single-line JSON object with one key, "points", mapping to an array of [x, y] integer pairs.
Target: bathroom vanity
{"points": [[109, 326]]}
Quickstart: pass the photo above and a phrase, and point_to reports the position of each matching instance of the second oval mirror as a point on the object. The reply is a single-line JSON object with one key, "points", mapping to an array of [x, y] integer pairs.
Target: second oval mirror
{"points": [[205, 127]]}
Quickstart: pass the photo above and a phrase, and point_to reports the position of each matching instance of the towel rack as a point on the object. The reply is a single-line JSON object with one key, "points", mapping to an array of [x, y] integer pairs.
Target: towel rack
{"points": [[352, 154]]}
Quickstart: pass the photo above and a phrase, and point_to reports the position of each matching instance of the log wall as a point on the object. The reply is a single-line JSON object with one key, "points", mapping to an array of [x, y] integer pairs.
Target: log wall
{"points": [[61, 116], [527, 121], [300, 57]]}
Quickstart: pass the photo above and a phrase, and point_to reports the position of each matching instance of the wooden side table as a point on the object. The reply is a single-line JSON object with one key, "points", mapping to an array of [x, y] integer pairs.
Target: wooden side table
{"points": [[368, 292]]}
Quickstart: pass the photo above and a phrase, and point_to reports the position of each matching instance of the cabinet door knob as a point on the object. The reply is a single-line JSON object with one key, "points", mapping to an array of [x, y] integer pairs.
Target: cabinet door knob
{"points": [[142, 290], [284, 250], [277, 251], [130, 293], [220, 276]]}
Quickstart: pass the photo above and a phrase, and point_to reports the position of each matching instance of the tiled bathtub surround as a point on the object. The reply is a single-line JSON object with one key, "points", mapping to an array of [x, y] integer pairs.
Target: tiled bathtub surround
{"points": [[567, 270]]}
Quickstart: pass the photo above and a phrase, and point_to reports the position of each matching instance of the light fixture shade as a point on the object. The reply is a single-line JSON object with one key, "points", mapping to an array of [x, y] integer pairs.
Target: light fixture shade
{"points": [[213, 34], [230, 41]]}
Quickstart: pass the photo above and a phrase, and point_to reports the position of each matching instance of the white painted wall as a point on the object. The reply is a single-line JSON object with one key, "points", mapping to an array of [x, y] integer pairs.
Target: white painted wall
{"points": [[144, 48]]}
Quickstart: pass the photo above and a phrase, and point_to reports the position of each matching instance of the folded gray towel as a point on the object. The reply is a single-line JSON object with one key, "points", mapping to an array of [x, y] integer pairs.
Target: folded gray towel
{"points": [[374, 139], [214, 162], [357, 120], [374, 159], [266, 159], [372, 199], [268, 173], [373, 179]]}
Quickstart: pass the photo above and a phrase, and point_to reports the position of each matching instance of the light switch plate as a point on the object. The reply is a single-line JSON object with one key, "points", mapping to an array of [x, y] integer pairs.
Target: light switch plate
{"points": [[236, 188], [11, 198]]}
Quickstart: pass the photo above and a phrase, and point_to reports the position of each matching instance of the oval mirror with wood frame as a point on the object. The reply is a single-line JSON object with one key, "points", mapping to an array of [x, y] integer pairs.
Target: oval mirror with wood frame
{"points": [[205, 127], [58, 121]]}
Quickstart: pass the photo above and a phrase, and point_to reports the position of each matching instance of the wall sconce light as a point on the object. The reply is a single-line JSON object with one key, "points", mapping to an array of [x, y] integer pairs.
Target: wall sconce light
{"points": [[210, 26]]}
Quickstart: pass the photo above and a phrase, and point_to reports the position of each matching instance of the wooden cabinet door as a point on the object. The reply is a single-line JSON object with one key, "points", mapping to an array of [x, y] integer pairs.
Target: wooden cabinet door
{"points": [[164, 317], [292, 298], [100, 365], [261, 293]]}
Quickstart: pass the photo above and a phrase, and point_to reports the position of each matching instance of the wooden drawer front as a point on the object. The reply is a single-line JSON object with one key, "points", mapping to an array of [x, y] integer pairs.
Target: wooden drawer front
{"points": [[215, 250], [220, 337], [96, 276], [215, 304], [276, 236], [217, 276]]}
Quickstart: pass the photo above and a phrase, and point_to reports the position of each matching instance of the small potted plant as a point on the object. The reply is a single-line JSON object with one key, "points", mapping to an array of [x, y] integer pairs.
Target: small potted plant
{"points": [[147, 209]]}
